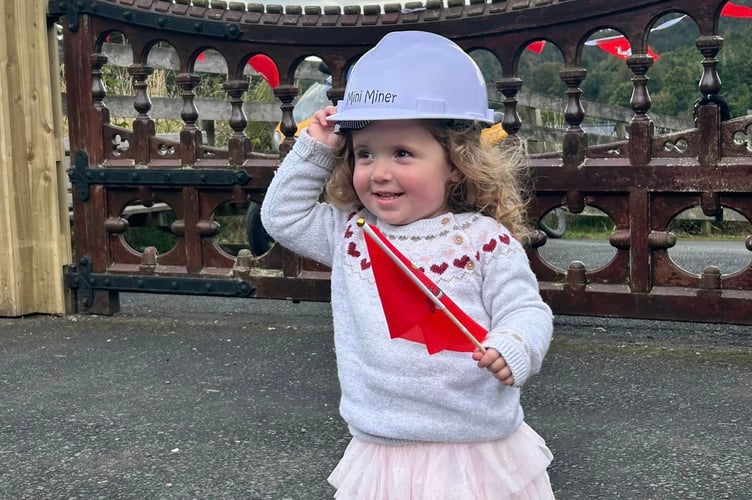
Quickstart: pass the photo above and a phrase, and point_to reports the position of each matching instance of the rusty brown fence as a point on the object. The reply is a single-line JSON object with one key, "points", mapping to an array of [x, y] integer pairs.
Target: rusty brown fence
{"points": [[641, 184]]}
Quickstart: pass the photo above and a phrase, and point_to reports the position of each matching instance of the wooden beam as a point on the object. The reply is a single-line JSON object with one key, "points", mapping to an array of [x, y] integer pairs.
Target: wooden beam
{"points": [[34, 227]]}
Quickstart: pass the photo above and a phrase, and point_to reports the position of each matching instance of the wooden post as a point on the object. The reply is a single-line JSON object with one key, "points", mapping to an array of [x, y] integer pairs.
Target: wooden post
{"points": [[34, 226]]}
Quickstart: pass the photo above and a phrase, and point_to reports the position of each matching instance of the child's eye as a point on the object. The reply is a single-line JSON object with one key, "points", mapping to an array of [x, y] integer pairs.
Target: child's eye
{"points": [[363, 154], [401, 153]]}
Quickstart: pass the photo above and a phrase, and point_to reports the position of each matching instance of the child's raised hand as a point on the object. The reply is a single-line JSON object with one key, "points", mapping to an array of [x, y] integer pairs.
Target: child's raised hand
{"points": [[496, 364], [321, 129]]}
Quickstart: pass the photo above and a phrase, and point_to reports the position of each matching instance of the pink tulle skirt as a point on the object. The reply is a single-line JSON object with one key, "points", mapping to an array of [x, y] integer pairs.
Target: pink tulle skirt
{"points": [[510, 468]]}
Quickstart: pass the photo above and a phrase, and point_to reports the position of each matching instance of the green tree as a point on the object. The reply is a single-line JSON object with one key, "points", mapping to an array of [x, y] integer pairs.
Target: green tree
{"points": [[545, 78], [674, 82], [735, 68]]}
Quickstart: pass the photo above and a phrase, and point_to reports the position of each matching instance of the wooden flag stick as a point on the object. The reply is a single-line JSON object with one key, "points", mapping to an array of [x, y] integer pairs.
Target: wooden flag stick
{"points": [[426, 291]]}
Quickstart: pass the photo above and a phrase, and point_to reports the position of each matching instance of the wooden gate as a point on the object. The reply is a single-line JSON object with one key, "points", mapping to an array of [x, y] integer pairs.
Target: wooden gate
{"points": [[641, 183]]}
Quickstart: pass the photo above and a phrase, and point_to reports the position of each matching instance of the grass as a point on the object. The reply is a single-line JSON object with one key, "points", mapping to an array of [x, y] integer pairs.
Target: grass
{"points": [[601, 227], [710, 229], [161, 238], [588, 227]]}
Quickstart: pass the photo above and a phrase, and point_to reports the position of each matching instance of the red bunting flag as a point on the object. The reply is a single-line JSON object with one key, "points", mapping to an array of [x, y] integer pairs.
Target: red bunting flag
{"points": [[619, 46], [537, 46], [264, 65], [738, 11], [261, 64], [415, 307]]}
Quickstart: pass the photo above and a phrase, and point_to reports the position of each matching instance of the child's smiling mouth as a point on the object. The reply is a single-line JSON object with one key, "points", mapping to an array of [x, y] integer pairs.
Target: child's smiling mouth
{"points": [[387, 196]]}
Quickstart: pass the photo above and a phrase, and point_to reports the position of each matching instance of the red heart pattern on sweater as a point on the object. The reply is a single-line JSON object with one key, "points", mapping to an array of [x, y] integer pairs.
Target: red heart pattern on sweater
{"points": [[439, 268], [352, 249], [462, 261]]}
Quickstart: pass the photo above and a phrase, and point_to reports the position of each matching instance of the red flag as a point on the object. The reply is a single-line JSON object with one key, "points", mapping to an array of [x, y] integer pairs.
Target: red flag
{"points": [[264, 65], [619, 46], [536, 46], [415, 307], [734, 10], [261, 64]]}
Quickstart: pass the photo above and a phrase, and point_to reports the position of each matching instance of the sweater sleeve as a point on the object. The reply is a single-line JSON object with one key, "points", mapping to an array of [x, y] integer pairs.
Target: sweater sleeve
{"points": [[521, 323], [291, 212]]}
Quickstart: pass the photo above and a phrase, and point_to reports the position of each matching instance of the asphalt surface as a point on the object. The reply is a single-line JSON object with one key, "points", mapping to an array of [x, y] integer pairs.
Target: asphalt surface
{"points": [[183, 398], [691, 256]]}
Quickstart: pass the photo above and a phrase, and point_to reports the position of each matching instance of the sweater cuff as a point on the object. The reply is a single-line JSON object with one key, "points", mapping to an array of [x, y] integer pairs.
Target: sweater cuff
{"points": [[309, 149], [512, 348]]}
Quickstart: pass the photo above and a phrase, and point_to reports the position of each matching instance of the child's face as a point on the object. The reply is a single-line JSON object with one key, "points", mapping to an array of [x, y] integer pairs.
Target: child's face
{"points": [[401, 172]]}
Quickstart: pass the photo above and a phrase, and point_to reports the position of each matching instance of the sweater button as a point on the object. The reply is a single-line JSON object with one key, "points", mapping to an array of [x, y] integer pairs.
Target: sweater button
{"points": [[470, 266], [445, 220], [458, 240]]}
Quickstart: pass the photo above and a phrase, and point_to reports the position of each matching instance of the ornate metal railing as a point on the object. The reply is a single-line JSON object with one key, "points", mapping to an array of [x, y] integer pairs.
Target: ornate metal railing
{"points": [[641, 183]]}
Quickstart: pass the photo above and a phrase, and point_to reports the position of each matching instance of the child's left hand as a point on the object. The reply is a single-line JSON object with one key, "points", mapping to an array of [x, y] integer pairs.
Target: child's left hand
{"points": [[496, 364]]}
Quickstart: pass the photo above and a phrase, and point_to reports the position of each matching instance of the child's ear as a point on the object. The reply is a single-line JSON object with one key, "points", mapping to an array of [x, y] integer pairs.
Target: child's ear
{"points": [[455, 175]]}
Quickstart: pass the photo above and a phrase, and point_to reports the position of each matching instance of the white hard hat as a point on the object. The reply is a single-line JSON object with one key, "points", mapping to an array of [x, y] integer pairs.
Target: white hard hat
{"points": [[413, 75]]}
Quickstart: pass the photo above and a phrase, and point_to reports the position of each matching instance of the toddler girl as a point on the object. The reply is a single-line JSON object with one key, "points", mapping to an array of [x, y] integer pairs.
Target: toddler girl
{"points": [[402, 151]]}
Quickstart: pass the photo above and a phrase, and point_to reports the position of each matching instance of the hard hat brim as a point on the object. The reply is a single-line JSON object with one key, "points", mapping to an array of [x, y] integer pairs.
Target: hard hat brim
{"points": [[392, 114]]}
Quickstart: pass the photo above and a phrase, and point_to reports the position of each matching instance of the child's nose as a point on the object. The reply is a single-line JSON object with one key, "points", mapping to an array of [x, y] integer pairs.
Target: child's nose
{"points": [[381, 171]]}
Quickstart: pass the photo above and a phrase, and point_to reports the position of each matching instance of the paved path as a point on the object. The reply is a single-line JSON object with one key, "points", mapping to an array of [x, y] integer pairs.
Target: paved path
{"points": [[182, 398]]}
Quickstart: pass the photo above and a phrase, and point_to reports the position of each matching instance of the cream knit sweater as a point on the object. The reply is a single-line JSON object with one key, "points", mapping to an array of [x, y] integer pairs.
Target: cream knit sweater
{"points": [[392, 390]]}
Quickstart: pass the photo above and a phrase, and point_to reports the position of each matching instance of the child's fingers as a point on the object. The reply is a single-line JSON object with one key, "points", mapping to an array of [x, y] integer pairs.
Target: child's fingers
{"points": [[321, 114], [505, 375], [485, 359], [321, 129], [319, 118], [495, 363]]}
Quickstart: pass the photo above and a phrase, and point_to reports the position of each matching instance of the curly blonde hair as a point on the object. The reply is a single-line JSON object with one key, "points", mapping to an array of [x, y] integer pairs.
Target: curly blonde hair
{"points": [[492, 180]]}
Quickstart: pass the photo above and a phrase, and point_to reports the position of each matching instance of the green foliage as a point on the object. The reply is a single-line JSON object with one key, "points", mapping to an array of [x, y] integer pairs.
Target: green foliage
{"points": [[735, 69], [612, 82], [694, 229], [261, 136], [673, 83], [160, 238], [674, 87], [116, 80], [588, 227], [544, 78], [674, 78]]}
